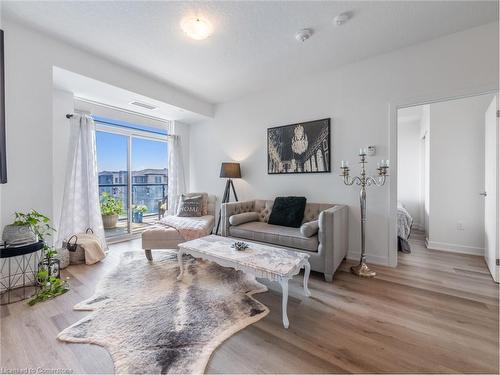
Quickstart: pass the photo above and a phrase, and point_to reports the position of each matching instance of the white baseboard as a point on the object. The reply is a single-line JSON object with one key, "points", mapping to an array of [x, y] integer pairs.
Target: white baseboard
{"points": [[453, 248], [375, 259]]}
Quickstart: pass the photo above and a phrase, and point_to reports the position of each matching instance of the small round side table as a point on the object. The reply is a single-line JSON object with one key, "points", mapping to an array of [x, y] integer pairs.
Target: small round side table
{"points": [[18, 271]]}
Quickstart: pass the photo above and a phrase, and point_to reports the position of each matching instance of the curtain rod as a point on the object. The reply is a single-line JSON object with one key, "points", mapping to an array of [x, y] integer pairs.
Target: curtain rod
{"points": [[159, 119]]}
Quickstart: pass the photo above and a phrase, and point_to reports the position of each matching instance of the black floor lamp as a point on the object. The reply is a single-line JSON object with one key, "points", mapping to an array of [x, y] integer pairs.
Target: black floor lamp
{"points": [[229, 171]]}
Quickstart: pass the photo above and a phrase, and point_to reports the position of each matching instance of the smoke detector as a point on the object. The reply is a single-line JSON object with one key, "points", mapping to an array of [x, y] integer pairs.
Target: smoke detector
{"points": [[303, 35], [341, 19]]}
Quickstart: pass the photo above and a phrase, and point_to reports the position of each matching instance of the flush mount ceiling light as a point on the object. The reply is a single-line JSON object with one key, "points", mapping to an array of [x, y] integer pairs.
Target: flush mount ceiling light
{"points": [[341, 19], [303, 35], [196, 28]]}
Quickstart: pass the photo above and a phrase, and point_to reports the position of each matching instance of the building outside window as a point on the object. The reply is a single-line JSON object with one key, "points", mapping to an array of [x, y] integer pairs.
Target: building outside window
{"points": [[132, 162]]}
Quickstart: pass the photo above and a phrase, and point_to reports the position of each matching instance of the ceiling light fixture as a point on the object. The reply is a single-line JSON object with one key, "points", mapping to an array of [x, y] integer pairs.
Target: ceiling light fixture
{"points": [[196, 28], [341, 19], [303, 35]]}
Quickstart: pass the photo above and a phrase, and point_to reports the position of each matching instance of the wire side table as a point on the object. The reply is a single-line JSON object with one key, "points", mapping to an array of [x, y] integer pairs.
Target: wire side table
{"points": [[18, 271]]}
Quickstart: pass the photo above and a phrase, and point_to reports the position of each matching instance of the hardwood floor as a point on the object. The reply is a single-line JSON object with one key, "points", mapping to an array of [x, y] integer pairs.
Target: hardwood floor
{"points": [[436, 312]]}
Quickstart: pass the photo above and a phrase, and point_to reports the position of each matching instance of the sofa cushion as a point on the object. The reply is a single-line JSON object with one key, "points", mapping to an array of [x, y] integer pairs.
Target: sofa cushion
{"points": [[190, 206], [288, 211], [310, 228], [204, 201], [274, 234], [244, 217]]}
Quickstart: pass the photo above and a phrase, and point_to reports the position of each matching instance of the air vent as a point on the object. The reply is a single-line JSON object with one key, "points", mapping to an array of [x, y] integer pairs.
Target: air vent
{"points": [[143, 105]]}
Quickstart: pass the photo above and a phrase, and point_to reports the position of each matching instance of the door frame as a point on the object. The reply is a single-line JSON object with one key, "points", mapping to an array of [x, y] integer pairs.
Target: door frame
{"points": [[392, 107], [130, 133]]}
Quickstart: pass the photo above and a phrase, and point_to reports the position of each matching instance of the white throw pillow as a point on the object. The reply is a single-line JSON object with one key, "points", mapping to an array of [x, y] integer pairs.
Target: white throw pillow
{"points": [[244, 217], [310, 228]]}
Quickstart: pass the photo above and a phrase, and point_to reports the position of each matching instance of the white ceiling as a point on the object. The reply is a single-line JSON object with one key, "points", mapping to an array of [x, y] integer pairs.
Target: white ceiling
{"points": [[253, 46], [100, 92]]}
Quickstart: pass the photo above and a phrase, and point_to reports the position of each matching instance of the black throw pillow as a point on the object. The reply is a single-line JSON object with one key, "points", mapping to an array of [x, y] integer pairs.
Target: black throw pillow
{"points": [[288, 211]]}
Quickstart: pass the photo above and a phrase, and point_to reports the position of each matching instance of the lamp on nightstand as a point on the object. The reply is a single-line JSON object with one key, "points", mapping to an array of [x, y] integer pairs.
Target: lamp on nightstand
{"points": [[229, 171]]}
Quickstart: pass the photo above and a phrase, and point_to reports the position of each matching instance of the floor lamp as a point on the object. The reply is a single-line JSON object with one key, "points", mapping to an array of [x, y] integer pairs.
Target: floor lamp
{"points": [[229, 171]]}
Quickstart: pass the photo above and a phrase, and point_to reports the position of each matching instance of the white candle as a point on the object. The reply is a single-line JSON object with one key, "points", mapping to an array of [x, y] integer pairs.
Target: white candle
{"points": [[387, 163], [360, 151], [342, 163]]}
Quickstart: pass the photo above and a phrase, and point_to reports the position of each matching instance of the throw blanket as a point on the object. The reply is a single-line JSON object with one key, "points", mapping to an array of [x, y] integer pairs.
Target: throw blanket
{"points": [[92, 247], [405, 222], [189, 228]]}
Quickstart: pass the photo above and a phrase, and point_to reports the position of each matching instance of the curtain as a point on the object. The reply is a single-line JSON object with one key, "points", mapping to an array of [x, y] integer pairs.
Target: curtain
{"points": [[176, 182], [81, 208]]}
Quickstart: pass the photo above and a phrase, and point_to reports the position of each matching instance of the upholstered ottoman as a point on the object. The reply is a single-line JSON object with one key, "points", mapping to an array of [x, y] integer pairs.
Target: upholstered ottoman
{"points": [[160, 237]]}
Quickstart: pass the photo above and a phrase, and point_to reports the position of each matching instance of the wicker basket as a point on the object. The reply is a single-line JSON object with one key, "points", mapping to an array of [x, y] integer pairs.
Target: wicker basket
{"points": [[78, 256], [63, 255]]}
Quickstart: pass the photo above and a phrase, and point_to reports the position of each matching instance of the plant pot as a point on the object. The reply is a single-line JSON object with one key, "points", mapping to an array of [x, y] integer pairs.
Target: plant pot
{"points": [[137, 217], [109, 221], [19, 235]]}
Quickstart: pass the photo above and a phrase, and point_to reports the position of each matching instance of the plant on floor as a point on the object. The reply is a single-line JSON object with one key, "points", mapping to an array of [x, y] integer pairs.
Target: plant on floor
{"points": [[48, 278], [110, 209], [51, 287]]}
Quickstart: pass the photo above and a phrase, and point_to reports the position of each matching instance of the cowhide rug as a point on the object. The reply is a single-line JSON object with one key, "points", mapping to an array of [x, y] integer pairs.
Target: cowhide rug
{"points": [[151, 323]]}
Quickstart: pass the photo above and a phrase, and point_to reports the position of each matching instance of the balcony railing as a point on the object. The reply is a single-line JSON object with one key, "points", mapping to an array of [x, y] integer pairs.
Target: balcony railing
{"points": [[148, 194]]}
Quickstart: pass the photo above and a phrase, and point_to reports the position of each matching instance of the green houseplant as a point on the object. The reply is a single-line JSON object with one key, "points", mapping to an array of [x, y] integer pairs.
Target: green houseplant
{"points": [[48, 278], [110, 209], [138, 211]]}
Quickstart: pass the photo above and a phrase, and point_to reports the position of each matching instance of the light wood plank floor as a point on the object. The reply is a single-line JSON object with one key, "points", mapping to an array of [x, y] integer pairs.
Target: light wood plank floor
{"points": [[436, 312]]}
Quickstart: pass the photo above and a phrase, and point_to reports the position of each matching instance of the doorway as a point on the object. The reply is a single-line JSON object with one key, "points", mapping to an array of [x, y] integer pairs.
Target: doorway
{"points": [[444, 160]]}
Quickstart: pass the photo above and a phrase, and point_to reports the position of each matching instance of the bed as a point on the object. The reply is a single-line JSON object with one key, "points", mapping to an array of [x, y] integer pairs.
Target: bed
{"points": [[405, 221]]}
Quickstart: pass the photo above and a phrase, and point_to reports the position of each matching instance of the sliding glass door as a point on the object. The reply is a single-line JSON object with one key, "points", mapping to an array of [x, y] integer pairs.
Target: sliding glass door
{"points": [[132, 167]]}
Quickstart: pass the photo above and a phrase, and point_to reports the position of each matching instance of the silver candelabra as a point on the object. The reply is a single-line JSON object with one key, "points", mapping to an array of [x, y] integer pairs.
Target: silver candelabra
{"points": [[363, 180]]}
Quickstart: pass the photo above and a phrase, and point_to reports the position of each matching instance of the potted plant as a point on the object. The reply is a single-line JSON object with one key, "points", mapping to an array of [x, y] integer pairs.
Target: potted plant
{"points": [[35, 222], [110, 209], [138, 212], [48, 274]]}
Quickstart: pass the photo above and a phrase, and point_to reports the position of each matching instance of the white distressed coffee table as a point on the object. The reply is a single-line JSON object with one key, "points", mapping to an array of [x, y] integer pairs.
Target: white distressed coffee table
{"points": [[260, 260]]}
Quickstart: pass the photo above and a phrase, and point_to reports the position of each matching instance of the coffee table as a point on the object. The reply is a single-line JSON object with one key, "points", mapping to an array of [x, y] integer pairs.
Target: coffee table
{"points": [[264, 261]]}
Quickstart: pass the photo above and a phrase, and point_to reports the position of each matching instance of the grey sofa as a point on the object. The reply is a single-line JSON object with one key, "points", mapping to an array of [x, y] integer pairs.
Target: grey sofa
{"points": [[327, 248]]}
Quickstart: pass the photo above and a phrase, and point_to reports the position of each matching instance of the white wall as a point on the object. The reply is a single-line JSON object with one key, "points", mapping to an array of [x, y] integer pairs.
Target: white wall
{"points": [[62, 104], [457, 175], [410, 160], [29, 58], [356, 97]]}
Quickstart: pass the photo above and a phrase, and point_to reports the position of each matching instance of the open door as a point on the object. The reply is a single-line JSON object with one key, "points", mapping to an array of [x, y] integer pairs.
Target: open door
{"points": [[491, 193]]}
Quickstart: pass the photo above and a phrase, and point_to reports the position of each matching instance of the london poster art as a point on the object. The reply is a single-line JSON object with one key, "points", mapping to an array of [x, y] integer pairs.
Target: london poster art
{"points": [[299, 148]]}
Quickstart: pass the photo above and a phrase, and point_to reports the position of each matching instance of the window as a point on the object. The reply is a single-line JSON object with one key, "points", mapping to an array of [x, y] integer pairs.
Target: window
{"points": [[132, 164]]}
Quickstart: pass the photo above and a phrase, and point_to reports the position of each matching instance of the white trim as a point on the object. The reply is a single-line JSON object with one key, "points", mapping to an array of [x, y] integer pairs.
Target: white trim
{"points": [[454, 248], [99, 126], [127, 111], [375, 259], [393, 107]]}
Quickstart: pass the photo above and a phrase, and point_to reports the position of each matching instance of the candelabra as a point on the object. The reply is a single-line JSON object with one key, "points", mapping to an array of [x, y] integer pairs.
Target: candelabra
{"points": [[363, 180]]}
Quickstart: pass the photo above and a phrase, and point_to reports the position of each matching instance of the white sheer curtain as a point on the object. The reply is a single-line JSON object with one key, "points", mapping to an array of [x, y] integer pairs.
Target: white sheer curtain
{"points": [[176, 182], [81, 209]]}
